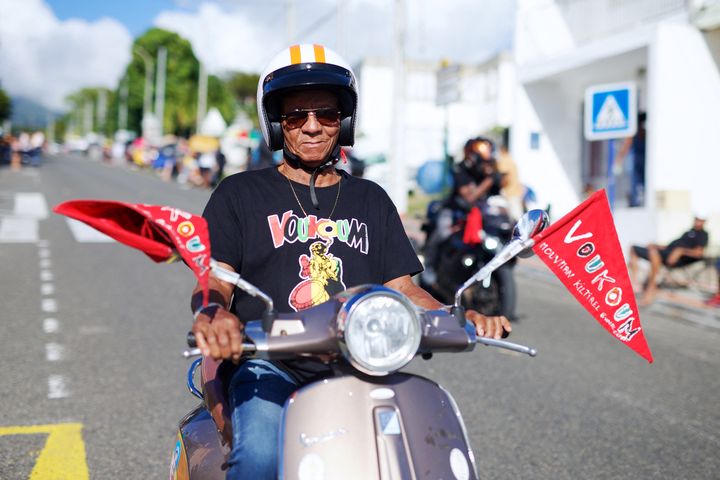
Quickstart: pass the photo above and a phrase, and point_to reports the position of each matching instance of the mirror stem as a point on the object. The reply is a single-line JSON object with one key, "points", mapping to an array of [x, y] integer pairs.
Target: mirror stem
{"points": [[458, 311], [511, 250], [233, 277]]}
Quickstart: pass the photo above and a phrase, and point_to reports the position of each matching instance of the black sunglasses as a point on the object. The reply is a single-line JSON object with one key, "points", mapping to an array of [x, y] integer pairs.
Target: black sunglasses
{"points": [[328, 117]]}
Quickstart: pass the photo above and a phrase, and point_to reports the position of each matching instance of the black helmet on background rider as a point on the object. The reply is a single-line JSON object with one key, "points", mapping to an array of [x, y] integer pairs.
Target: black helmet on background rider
{"points": [[306, 67], [479, 149]]}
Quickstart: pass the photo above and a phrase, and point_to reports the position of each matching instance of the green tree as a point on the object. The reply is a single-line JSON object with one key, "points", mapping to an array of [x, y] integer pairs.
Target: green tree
{"points": [[5, 105], [243, 87], [90, 100], [181, 87]]}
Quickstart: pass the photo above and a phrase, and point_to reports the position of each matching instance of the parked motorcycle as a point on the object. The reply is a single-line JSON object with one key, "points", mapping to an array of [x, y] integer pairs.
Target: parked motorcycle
{"points": [[456, 261]]}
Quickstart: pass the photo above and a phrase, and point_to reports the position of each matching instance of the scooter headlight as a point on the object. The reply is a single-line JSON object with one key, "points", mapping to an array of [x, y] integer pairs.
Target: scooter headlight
{"points": [[380, 331]]}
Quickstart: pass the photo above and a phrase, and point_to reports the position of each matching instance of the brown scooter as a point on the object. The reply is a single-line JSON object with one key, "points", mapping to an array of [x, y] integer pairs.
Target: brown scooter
{"points": [[383, 424]]}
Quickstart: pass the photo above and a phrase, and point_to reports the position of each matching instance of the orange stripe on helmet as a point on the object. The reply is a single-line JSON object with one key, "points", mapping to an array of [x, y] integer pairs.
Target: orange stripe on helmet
{"points": [[319, 53], [295, 54]]}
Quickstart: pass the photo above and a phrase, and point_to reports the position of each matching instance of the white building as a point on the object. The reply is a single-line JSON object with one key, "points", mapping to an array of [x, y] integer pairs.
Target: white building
{"points": [[671, 49], [484, 101]]}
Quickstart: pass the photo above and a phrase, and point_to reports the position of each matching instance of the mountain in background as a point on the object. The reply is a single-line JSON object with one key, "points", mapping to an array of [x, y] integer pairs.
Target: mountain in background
{"points": [[27, 113]]}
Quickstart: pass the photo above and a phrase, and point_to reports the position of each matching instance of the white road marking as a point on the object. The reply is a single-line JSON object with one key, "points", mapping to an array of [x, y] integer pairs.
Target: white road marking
{"points": [[47, 288], [50, 325], [84, 233], [57, 387], [44, 253], [46, 276], [43, 243], [18, 230], [49, 305], [21, 225], [31, 205], [54, 352], [45, 263]]}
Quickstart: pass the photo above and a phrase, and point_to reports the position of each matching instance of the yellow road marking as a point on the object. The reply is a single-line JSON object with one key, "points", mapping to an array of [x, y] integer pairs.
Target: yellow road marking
{"points": [[63, 456]]}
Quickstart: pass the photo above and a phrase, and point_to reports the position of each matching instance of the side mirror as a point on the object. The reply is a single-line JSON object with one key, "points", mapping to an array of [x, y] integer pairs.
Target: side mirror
{"points": [[529, 225]]}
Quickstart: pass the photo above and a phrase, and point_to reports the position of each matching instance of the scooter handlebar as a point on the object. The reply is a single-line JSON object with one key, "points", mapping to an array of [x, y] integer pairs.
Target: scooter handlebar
{"points": [[248, 348], [507, 345]]}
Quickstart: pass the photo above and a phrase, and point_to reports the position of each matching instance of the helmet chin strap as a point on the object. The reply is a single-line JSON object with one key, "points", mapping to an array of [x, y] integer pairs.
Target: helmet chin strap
{"points": [[295, 162]]}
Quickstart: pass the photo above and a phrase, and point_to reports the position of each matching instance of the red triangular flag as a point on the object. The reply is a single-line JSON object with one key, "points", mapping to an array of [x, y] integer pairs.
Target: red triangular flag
{"points": [[582, 249], [160, 232], [473, 227]]}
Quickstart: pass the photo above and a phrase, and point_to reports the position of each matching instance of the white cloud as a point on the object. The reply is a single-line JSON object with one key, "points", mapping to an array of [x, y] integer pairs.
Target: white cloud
{"points": [[222, 40], [244, 36], [45, 59]]}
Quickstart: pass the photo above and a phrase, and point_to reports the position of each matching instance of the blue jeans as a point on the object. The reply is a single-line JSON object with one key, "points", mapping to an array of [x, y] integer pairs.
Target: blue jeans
{"points": [[258, 391]]}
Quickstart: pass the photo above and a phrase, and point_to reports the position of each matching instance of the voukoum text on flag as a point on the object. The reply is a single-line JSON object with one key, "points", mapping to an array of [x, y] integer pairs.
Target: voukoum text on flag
{"points": [[582, 249]]}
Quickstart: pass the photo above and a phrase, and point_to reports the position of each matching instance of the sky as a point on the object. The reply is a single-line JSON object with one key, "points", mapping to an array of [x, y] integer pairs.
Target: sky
{"points": [[51, 48], [136, 15]]}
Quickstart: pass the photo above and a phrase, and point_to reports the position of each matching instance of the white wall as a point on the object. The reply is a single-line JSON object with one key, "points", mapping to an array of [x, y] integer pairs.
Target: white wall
{"points": [[543, 169], [540, 31], [375, 109], [486, 101], [684, 130]]}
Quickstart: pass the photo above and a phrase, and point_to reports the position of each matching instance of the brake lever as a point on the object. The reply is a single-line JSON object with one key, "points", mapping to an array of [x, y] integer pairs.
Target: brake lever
{"points": [[507, 345]]}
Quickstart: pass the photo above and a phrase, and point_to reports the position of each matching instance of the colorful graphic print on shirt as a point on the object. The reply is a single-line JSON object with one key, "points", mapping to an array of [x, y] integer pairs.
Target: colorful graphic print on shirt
{"points": [[321, 272]]}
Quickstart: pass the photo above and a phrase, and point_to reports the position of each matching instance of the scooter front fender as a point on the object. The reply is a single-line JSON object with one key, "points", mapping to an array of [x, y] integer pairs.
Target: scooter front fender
{"points": [[400, 426], [200, 453]]}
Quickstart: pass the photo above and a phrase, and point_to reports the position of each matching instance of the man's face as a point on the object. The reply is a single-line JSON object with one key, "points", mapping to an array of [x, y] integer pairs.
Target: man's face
{"points": [[699, 223], [312, 141]]}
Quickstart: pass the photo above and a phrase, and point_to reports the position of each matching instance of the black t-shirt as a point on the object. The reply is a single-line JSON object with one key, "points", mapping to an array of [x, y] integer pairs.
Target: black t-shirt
{"points": [[690, 239], [464, 175], [257, 226]]}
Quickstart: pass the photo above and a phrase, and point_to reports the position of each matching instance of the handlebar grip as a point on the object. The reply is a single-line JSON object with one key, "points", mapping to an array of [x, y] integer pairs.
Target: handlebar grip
{"points": [[192, 343]]}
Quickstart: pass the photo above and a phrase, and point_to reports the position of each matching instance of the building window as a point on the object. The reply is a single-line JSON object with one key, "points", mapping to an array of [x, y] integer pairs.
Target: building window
{"points": [[534, 140]]}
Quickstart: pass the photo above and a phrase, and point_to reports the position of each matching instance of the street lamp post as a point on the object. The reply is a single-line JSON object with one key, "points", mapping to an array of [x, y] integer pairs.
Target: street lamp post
{"points": [[160, 87], [398, 189], [147, 92], [202, 97], [123, 107]]}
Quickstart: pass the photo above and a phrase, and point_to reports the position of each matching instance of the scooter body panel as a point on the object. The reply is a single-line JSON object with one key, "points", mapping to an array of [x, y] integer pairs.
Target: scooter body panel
{"points": [[400, 426], [203, 455]]}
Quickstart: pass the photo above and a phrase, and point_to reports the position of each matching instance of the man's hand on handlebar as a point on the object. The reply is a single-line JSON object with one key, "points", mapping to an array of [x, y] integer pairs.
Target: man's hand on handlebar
{"points": [[218, 334], [491, 327]]}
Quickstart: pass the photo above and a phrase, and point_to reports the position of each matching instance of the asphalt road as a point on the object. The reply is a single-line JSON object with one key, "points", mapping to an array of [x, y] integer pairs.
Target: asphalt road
{"points": [[92, 333]]}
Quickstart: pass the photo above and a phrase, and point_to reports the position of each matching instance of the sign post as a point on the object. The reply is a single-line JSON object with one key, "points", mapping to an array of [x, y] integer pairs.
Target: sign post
{"points": [[447, 92], [610, 113]]}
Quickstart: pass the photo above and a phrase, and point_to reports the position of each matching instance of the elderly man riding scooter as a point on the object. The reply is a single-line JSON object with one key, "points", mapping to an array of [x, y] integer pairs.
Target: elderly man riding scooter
{"points": [[302, 232]]}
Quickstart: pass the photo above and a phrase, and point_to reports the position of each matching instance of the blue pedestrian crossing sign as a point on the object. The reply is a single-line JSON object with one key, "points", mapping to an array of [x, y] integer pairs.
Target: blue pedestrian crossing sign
{"points": [[610, 111]]}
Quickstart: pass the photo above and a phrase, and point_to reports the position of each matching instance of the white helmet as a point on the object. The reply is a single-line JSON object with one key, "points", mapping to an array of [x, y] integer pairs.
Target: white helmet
{"points": [[300, 67]]}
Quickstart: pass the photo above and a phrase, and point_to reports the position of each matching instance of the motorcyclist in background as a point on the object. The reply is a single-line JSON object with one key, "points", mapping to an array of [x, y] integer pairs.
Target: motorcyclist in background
{"points": [[475, 179]]}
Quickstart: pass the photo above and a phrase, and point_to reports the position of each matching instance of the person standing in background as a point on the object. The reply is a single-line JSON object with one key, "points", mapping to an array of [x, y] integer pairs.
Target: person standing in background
{"points": [[512, 189]]}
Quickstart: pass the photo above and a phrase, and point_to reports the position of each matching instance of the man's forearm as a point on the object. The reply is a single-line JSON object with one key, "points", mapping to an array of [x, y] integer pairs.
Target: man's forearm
{"points": [[220, 292], [417, 295]]}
